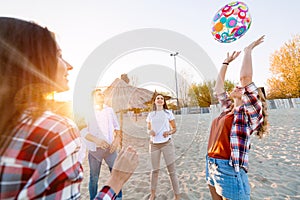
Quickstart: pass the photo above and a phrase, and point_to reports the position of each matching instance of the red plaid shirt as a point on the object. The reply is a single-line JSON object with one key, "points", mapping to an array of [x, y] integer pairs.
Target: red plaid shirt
{"points": [[247, 118], [41, 161], [106, 193]]}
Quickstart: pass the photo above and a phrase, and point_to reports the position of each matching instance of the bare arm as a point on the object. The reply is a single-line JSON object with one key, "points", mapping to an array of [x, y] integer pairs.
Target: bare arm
{"points": [[149, 129], [246, 72], [219, 89], [117, 141], [100, 143], [173, 129]]}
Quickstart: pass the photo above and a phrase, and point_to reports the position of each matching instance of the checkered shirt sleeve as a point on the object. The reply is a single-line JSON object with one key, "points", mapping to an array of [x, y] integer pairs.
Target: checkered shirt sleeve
{"points": [[41, 161], [247, 118], [106, 193], [224, 100]]}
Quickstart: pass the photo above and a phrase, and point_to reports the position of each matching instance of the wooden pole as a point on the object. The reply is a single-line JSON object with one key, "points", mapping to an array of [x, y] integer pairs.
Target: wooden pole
{"points": [[121, 128]]}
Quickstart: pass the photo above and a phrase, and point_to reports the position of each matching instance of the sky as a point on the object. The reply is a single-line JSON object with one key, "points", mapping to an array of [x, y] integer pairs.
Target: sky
{"points": [[84, 26]]}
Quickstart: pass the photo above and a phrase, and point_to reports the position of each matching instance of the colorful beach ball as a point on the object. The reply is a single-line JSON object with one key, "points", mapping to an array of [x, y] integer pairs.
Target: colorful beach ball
{"points": [[231, 22]]}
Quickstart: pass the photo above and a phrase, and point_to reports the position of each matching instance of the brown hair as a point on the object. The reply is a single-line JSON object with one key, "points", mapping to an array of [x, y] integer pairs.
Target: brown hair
{"points": [[264, 127], [28, 64], [165, 106]]}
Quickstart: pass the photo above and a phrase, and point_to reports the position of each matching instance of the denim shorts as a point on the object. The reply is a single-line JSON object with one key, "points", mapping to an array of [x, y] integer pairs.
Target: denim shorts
{"points": [[227, 182]]}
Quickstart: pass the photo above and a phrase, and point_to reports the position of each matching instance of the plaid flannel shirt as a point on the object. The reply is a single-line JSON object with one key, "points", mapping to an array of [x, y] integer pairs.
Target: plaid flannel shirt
{"points": [[106, 193], [247, 118], [41, 161]]}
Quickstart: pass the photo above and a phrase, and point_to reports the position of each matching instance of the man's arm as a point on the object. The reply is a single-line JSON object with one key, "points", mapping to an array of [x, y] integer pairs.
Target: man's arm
{"points": [[124, 166], [99, 142]]}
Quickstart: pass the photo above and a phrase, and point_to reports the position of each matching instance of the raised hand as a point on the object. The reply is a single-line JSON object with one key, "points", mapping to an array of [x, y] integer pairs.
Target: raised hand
{"points": [[246, 72], [255, 43], [231, 57], [124, 166], [126, 163]]}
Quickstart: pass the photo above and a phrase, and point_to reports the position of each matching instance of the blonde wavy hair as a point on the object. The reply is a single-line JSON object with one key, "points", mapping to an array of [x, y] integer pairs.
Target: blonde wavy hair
{"points": [[264, 127]]}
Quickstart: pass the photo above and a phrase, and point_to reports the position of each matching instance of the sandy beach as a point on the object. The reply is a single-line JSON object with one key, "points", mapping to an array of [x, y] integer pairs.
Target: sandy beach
{"points": [[274, 160]]}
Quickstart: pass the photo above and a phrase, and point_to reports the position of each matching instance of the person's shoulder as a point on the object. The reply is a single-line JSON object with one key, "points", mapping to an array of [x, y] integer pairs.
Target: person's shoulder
{"points": [[55, 120], [150, 114], [108, 108], [170, 114], [56, 128], [169, 111]]}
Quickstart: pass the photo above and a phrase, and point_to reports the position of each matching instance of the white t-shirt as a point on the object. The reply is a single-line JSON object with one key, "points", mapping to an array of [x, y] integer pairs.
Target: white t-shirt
{"points": [[160, 122]]}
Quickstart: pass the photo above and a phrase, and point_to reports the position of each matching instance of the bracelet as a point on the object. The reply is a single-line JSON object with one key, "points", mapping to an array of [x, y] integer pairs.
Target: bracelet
{"points": [[225, 63]]}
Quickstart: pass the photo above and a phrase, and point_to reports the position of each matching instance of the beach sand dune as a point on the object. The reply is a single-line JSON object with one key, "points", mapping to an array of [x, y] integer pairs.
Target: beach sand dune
{"points": [[274, 160]]}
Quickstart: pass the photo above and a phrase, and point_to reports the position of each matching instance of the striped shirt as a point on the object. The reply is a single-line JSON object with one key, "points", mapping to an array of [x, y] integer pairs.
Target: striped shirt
{"points": [[41, 161], [247, 118]]}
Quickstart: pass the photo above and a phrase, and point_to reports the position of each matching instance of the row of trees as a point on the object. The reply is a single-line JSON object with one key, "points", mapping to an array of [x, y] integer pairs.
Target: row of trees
{"points": [[284, 83], [203, 94]]}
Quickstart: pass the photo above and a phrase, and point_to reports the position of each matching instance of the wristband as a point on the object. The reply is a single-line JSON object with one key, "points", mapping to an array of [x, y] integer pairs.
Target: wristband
{"points": [[225, 63]]}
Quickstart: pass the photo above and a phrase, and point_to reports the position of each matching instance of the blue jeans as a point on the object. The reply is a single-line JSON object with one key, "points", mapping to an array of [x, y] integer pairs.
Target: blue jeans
{"points": [[227, 182], [95, 161]]}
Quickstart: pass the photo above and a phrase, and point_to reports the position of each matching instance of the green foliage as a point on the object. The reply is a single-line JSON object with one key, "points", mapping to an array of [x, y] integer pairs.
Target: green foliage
{"points": [[203, 94], [229, 85]]}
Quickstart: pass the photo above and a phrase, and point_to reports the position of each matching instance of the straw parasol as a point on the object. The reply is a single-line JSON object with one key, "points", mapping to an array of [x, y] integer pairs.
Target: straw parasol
{"points": [[122, 96]]}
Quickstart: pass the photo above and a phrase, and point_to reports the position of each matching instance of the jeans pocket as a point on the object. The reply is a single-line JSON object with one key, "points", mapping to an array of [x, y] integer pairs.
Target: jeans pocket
{"points": [[245, 182], [228, 171]]}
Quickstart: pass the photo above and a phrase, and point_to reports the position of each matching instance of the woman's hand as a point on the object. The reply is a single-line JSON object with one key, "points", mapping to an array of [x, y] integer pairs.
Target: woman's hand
{"points": [[255, 43], [219, 88], [166, 134], [152, 133], [231, 57]]}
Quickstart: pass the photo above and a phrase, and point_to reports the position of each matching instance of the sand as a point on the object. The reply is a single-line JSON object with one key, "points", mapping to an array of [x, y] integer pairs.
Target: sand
{"points": [[274, 160]]}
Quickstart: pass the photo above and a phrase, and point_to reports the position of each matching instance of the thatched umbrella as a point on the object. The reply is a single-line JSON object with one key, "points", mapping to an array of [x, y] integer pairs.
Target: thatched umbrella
{"points": [[122, 97]]}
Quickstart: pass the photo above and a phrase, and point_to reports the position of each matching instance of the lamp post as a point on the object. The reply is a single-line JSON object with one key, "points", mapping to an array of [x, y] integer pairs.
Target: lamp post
{"points": [[174, 55]]}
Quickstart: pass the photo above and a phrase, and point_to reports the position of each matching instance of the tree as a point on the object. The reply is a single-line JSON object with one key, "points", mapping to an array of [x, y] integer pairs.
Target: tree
{"points": [[229, 85], [183, 87], [203, 94], [285, 67]]}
